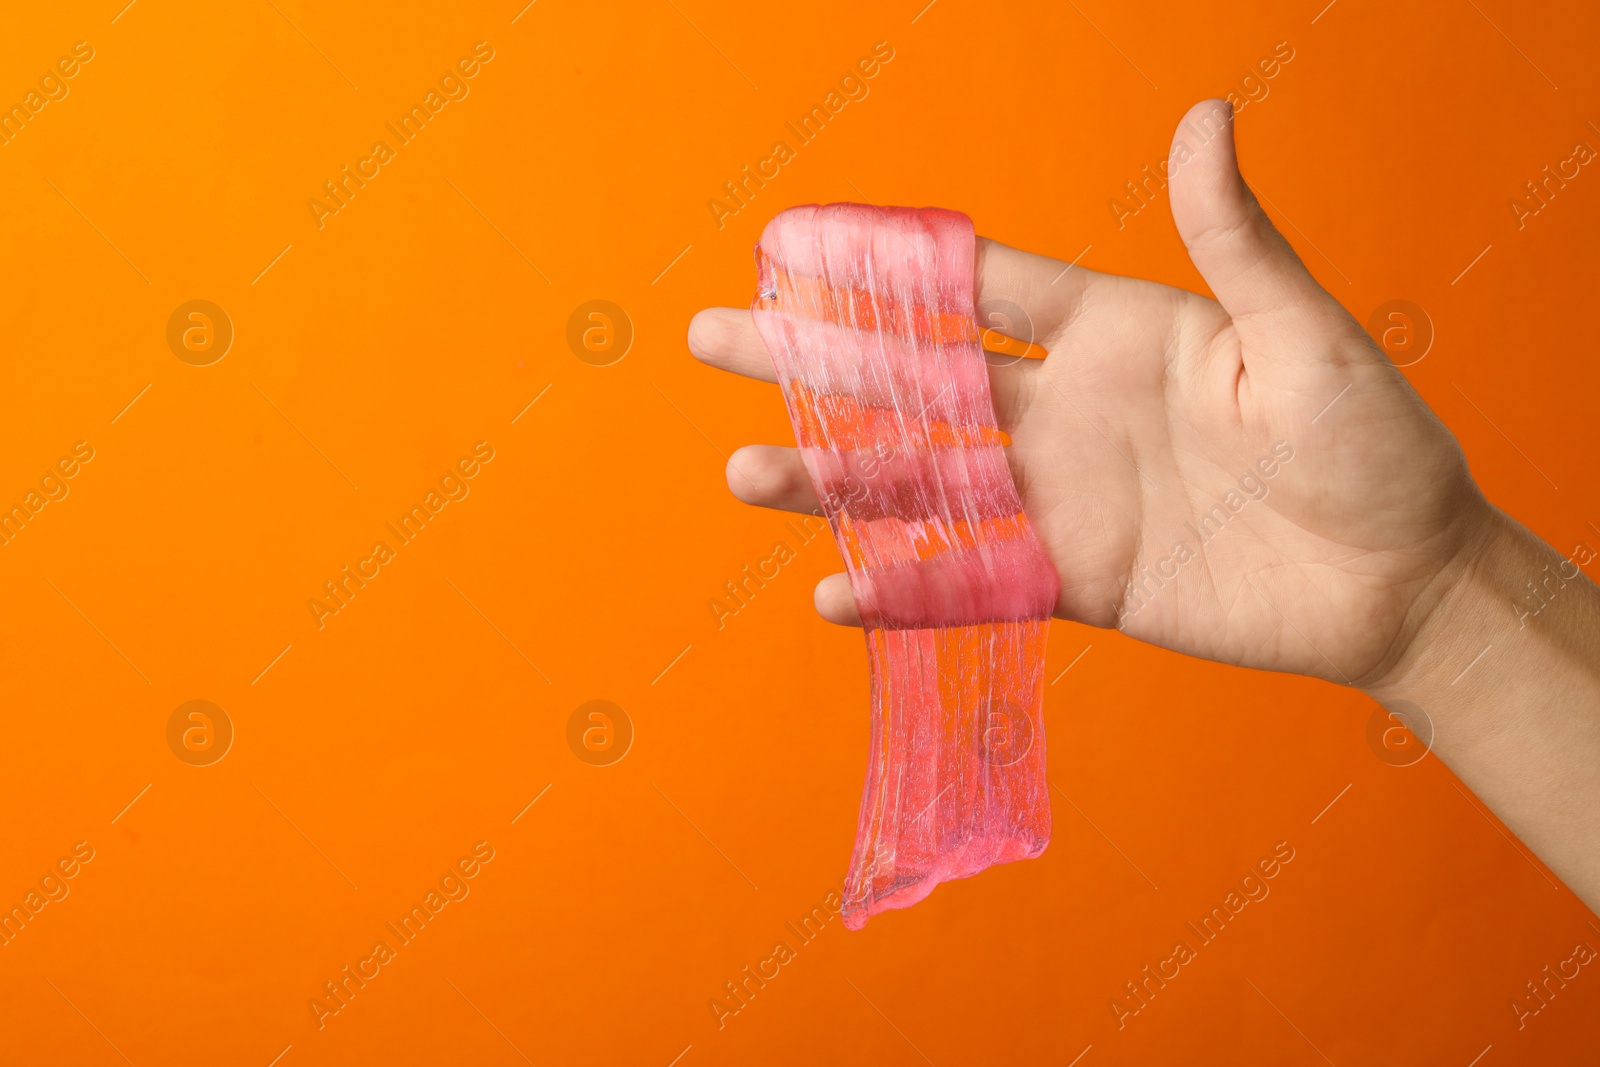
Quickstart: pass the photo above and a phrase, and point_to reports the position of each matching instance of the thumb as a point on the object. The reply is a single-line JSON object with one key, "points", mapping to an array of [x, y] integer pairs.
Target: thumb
{"points": [[1251, 269]]}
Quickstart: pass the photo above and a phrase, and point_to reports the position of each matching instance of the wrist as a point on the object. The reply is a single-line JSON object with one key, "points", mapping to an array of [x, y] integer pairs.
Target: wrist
{"points": [[1507, 615], [1468, 603], [1504, 669]]}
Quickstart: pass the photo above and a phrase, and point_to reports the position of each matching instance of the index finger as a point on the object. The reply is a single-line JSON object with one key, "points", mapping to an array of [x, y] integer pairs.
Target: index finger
{"points": [[1021, 299]]}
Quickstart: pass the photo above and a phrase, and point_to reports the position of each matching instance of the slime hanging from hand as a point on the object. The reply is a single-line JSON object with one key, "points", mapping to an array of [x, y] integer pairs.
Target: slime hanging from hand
{"points": [[868, 315]]}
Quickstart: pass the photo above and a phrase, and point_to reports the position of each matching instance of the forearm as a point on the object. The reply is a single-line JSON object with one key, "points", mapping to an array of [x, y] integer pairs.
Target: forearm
{"points": [[1507, 667]]}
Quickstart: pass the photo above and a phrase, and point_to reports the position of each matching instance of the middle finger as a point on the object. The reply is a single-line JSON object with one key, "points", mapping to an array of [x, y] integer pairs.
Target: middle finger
{"points": [[727, 338]]}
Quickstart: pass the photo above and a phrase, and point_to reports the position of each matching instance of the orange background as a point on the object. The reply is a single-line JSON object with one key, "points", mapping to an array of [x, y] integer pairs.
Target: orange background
{"points": [[378, 750]]}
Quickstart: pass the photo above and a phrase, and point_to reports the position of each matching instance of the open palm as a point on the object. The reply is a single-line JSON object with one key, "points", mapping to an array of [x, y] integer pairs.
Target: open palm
{"points": [[1246, 479]]}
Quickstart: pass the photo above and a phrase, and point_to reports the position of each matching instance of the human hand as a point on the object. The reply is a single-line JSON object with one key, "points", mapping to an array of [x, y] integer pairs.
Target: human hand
{"points": [[1246, 479]]}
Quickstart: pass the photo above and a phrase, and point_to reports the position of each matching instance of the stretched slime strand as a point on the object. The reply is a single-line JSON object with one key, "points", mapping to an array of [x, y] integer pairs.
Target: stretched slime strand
{"points": [[868, 315]]}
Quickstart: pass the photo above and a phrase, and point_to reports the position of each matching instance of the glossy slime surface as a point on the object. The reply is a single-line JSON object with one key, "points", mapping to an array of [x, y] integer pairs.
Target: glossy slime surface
{"points": [[868, 315]]}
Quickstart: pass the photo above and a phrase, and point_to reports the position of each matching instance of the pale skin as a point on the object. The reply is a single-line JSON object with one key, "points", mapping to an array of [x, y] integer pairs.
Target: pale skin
{"points": [[1372, 560]]}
